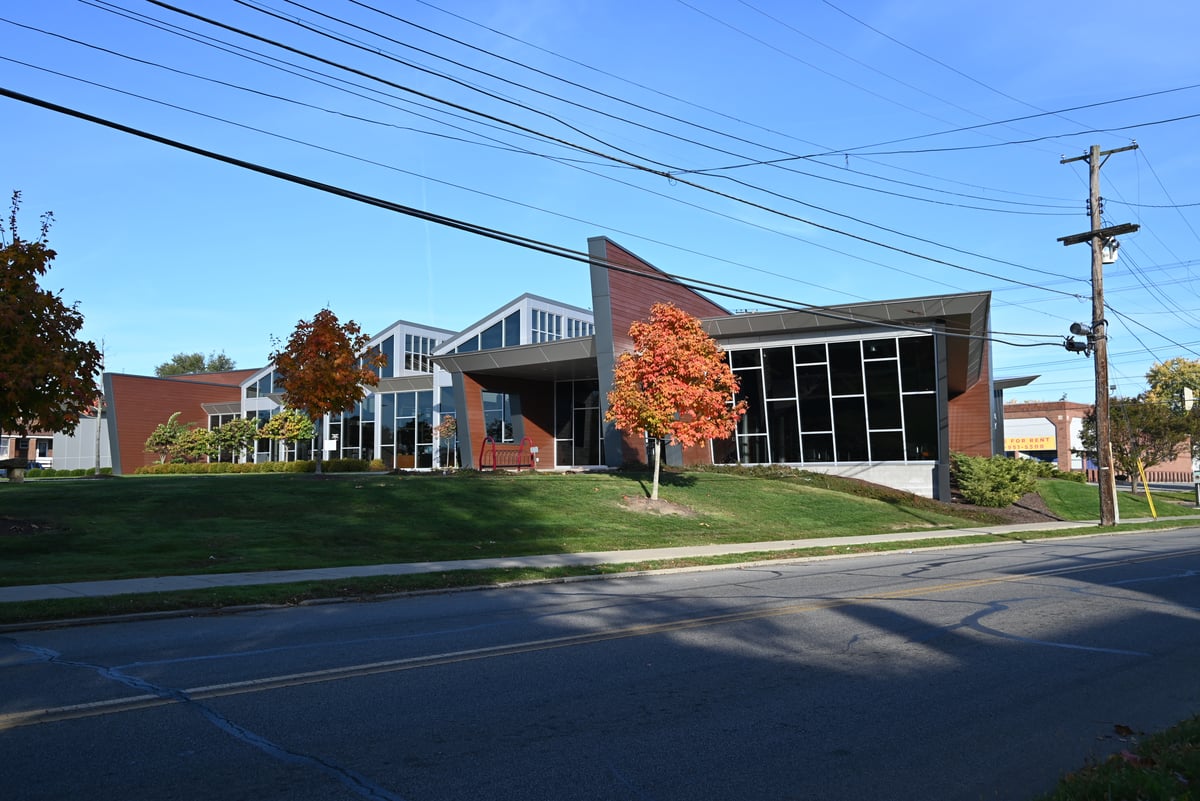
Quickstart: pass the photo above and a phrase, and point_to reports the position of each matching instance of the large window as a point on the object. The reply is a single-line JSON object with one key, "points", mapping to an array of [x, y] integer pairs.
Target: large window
{"points": [[548, 326], [416, 353], [262, 387], [406, 429], [354, 431], [503, 333], [497, 416], [262, 447], [855, 401], [215, 421], [578, 426]]}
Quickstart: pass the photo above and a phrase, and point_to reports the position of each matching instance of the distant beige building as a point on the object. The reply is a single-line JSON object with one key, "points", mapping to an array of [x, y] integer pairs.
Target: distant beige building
{"points": [[1049, 431]]}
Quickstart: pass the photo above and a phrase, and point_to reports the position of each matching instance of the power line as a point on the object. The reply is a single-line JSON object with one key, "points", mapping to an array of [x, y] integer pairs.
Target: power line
{"points": [[624, 162], [485, 231]]}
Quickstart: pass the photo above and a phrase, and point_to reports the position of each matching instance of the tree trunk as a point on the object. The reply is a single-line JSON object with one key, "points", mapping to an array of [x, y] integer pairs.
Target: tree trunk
{"points": [[657, 464]]}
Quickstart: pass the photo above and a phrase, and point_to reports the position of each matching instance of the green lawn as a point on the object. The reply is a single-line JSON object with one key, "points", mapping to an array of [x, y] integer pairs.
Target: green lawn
{"points": [[1072, 501], [160, 525]]}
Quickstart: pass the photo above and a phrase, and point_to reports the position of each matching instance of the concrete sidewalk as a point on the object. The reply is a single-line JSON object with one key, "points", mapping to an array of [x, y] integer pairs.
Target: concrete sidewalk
{"points": [[93, 589]]}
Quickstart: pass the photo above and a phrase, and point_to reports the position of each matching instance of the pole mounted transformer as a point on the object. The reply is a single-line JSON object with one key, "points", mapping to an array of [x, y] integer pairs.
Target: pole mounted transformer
{"points": [[1104, 251]]}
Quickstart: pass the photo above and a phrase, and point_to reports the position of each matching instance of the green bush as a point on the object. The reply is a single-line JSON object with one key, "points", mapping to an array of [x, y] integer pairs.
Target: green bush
{"points": [[1050, 470], [993, 481], [298, 466]]}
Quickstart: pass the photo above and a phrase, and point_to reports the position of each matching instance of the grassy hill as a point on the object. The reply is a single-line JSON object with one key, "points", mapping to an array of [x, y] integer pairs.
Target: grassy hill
{"points": [[63, 530], [68, 530]]}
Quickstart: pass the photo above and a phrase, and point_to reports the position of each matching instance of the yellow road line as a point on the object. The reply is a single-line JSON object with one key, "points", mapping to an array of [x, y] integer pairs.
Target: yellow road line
{"points": [[129, 704]]}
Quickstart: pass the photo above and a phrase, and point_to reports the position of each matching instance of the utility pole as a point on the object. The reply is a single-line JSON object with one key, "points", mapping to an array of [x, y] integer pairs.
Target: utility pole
{"points": [[100, 408], [1102, 239]]}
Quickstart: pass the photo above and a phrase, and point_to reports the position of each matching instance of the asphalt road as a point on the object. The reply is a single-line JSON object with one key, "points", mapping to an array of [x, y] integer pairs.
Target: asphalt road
{"points": [[951, 674]]}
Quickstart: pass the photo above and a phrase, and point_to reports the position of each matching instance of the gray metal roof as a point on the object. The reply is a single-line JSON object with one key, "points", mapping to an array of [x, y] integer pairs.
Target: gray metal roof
{"points": [[968, 310], [231, 407], [406, 383], [548, 361], [1014, 381]]}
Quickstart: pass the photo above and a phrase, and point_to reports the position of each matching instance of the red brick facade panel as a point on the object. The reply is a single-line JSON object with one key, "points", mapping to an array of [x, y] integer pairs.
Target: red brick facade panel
{"points": [[633, 295], [140, 403], [536, 408], [971, 415]]}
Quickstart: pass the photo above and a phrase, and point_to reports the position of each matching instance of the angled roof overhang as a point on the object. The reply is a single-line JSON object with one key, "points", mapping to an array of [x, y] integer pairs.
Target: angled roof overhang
{"points": [[548, 361], [234, 407], [965, 318], [404, 383], [1014, 381]]}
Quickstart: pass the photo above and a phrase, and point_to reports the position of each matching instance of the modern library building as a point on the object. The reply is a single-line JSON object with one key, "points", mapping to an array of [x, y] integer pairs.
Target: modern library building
{"points": [[883, 391]]}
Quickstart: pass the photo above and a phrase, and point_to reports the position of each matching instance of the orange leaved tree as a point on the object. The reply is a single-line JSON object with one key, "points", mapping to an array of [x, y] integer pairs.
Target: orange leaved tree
{"points": [[324, 368], [675, 384]]}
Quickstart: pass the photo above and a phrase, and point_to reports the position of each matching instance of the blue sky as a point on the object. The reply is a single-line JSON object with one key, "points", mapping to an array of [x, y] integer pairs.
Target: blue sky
{"points": [[816, 152]]}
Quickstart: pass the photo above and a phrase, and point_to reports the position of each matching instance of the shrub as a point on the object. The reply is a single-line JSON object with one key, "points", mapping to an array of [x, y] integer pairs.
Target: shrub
{"points": [[1050, 470], [993, 481]]}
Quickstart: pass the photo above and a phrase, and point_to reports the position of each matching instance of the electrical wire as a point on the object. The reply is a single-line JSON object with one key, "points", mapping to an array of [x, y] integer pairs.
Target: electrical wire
{"points": [[487, 232]]}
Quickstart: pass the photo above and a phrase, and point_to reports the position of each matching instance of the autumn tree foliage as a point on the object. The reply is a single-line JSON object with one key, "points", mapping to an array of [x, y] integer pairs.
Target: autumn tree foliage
{"points": [[447, 432], [47, 375], [323, 367], [675, 384]]}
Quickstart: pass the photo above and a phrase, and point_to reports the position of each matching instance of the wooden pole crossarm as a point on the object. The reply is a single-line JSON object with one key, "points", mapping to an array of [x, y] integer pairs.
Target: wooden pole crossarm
{"points": [[1103, 233]]}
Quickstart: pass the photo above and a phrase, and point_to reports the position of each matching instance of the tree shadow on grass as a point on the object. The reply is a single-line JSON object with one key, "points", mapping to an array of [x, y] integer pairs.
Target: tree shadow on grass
{"points": [[645, 479]]}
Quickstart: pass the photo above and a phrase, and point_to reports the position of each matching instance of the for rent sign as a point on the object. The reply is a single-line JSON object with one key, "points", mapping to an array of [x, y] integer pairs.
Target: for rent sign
{"points": [[1041, 443]]}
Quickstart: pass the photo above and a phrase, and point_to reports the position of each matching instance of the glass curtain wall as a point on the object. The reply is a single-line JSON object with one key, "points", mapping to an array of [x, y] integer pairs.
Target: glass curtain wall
{"points": [[354, 431], [406, 430], [578, 426], [215, 421], [867, 400]]}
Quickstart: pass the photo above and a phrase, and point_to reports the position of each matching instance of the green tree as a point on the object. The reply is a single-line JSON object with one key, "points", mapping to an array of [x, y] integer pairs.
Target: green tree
{"points": [[323, 368], [1174, 382], [190, 363], [47, 375], [675, 384], [174, 441], [288, 425], [236, 436], [1140, 429]]}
